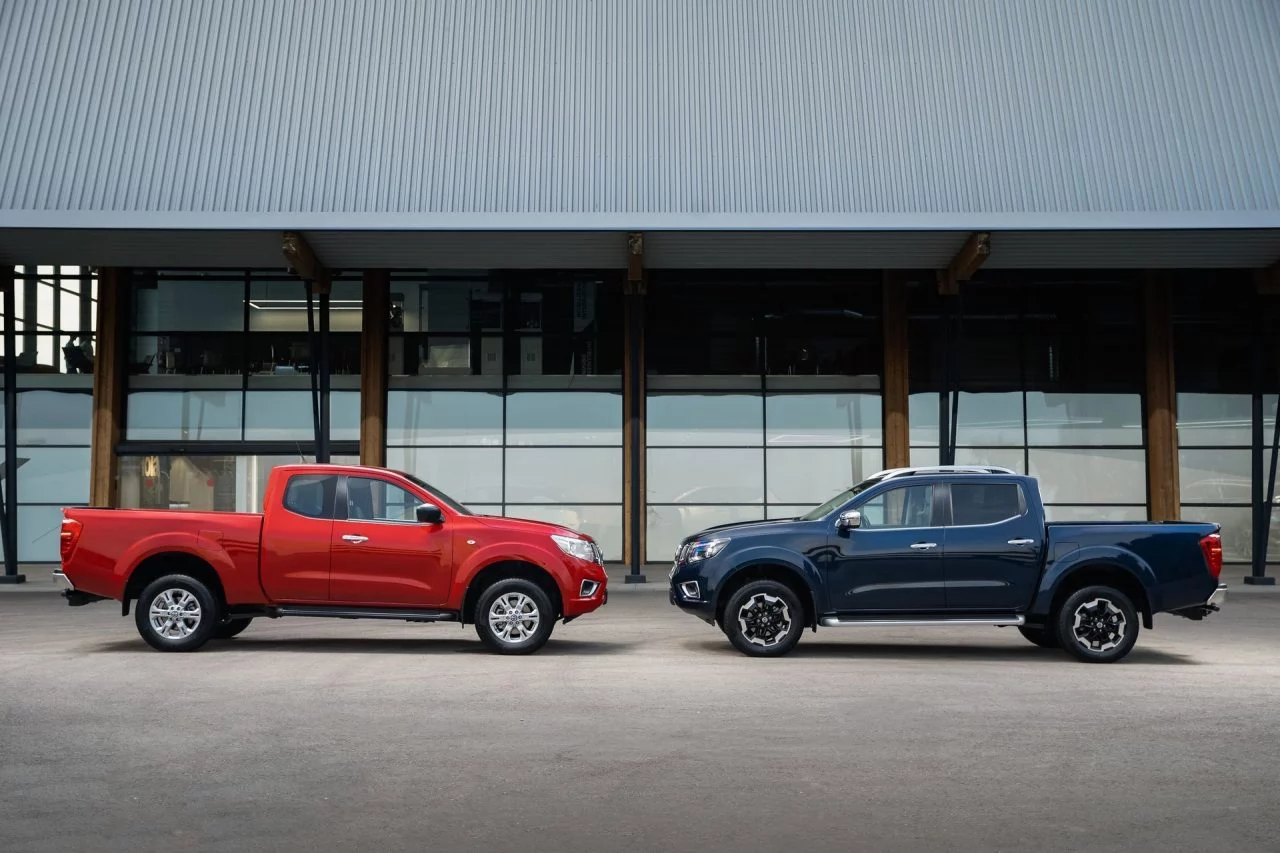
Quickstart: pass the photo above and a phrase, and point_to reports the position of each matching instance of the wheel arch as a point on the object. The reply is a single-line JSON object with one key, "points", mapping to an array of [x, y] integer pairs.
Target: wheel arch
{"points": [[158, 565], [502, 570], [1102, 573], [774, 570]]}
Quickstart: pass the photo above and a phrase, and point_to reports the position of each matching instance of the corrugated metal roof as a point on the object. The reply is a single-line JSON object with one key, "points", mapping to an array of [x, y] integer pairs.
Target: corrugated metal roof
{"points": [[586, 114]]}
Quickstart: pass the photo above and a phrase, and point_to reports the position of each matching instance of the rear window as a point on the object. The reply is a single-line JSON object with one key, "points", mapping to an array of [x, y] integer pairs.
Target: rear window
{"points": [[984, 503], [310, 495]]}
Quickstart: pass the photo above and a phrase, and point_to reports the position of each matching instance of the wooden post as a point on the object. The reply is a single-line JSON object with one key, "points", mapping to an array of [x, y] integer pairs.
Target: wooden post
{"points": [[374, 332], [896, 389], [109, 378], [1161, 404]]}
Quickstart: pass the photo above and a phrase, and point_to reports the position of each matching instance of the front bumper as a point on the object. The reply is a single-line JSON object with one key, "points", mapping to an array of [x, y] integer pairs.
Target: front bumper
{"points": [[681, 593]]}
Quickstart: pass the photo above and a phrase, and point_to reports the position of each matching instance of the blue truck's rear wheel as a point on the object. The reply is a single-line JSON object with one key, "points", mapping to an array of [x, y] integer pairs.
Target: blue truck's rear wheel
{"points": [[764, 619], [1097, 624]]}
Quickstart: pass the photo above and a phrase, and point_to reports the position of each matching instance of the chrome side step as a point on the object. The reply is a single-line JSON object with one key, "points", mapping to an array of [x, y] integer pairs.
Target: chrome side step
{"points": [[837, 622], [367, 613]]}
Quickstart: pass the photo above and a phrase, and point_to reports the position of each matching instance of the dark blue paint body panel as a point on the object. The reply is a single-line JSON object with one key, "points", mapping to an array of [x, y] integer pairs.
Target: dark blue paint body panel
{"points": [[1014, 566]]}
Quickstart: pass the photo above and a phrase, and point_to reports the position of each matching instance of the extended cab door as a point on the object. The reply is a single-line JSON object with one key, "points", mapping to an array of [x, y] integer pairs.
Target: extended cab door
{"points": [[382, 556], [994, 545], [295, 539], [893, 561]]}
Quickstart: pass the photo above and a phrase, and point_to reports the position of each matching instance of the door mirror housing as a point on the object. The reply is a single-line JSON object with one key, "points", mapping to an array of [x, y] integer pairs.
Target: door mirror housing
{"points": [[430, 514], [849, 520]]}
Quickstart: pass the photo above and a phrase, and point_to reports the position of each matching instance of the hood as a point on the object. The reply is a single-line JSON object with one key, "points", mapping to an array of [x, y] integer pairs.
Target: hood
{"points": [[739, 527], [525, 525]]}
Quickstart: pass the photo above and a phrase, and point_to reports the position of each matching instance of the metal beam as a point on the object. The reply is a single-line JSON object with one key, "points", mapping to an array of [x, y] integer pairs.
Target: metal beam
{"points": [[972, 255], [9, 481]]}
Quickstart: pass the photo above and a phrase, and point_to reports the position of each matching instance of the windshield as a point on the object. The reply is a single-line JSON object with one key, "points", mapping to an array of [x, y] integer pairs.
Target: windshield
{"points": [[839, 500], [439, 495]]}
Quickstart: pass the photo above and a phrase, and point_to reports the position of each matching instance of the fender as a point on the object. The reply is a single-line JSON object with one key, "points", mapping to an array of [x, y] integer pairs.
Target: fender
{"points": [[479, 559], [761, 555], [1060, 570], [192, 544]]}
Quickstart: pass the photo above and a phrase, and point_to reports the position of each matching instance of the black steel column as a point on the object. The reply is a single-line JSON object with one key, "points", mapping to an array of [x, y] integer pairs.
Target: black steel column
{"points": [[8, 501], [1262, 499], [322, 439]]}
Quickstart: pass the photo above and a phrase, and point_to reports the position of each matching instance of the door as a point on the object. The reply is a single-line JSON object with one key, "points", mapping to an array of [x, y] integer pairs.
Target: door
{"points": [[296, 540], [993, 548], [381, 555], [893, 561]]}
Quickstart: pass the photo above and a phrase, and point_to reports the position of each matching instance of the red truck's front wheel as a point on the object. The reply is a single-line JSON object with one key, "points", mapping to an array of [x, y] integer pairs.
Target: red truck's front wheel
{"points": [[514, 617], [177, 613]]}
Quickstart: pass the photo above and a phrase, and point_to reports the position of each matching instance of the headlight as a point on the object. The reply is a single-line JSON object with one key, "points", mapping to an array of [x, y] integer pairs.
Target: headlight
{"points": [[579, 548], [705, 550]]}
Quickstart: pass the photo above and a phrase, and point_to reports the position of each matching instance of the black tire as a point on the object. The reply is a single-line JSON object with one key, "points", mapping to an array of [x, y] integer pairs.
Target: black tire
{"points": [[1043, 636], [532, 633], [230, 628], [766, 607], [1109, 624], [181, 594]]}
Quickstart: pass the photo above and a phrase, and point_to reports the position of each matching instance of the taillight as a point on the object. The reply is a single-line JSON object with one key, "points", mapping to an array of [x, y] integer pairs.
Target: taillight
{"points": [[1211, 545], [69, 537]]}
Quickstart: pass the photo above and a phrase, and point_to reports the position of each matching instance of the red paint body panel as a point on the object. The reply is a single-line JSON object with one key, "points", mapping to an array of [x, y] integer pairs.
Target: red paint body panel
{"points": [[280, 556]]}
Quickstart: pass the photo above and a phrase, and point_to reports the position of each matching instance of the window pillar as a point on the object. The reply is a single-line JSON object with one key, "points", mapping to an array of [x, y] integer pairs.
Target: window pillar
{"points": [[1161, 401], [897, 445], [374, 330], [108, 386]]}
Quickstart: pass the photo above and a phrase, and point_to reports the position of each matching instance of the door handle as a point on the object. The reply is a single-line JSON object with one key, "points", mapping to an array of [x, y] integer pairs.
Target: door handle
{"points": [[924, 546], [355, 538], [1022, 541]]}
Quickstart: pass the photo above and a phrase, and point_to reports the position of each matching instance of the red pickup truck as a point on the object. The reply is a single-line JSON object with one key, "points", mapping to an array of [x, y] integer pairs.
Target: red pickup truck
{"points": [[339, 541]]}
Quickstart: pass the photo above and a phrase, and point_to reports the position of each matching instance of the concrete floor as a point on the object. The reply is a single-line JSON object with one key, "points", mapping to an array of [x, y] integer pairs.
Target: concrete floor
{"points": [[637, 728]]}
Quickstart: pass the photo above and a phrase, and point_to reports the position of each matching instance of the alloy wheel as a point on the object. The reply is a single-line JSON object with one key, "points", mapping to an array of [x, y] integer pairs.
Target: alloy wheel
{"points": [[175, 614], [514, 617], [764, 619], [1099, 625]]}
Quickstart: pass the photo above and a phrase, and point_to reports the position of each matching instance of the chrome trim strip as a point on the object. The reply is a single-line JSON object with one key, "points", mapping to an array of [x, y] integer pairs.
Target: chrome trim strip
{"points": [[695, 593], [60, 578], [837, 622], [588, 588], [1219, 595]]}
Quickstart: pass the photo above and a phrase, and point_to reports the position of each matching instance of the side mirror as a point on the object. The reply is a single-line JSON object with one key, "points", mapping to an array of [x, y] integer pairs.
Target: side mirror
{"points": [[849, 520], [430, 514]]}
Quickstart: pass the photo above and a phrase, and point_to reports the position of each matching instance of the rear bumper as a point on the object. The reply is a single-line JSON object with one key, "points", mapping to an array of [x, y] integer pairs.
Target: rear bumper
{"points": [[1219, 596], [62, 580], [1211, 605]]}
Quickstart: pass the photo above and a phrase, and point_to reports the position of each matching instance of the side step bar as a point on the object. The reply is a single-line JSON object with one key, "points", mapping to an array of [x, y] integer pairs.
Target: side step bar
{"points": [[837, 622], [368, 613]]}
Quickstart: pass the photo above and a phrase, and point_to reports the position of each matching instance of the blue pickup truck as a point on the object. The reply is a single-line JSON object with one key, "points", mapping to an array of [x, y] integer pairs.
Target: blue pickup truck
{"points": [[947, 546]]}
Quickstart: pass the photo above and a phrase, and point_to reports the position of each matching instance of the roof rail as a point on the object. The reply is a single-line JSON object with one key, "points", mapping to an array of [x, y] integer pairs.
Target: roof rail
{"points": [[942, 469]]}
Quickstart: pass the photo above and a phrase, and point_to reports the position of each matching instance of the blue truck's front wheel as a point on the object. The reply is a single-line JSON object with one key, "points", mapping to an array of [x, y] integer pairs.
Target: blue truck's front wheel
{"points": [[764, 619]]}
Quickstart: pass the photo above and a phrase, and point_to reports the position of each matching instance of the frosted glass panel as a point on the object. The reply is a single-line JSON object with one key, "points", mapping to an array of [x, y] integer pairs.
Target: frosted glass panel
{"points": [[1056, 419], [837, 419], [444, 417], [667, 525], [602, 523], [1090, 476], [465, 474], [38, 530], [688, 420], [53, 475], [185, 415], [800, 475], [564, 475], [922, 413], [705, 476], [1220, 476], [994, 419], [782, 511], [1222, 419], [573, 417], [998, 457], [1237, 530], [54, 417]]}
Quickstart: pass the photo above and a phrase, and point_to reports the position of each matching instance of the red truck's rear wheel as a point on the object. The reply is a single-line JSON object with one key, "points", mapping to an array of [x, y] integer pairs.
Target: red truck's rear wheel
{"points": [[177, 613], [514, 617]]}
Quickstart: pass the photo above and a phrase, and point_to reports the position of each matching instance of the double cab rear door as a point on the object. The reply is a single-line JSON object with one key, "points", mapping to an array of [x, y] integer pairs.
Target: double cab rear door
{"points": [[353, 540], [965, 546]]}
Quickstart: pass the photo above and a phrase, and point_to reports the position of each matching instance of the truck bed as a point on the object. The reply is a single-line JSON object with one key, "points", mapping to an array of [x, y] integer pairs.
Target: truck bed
{"points": [[112, 541]]}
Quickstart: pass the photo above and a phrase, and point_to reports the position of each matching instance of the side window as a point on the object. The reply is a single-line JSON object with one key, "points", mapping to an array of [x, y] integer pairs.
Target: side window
{"points": [[905, 506], [310, 495], [378, 500], [985, 503]]}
